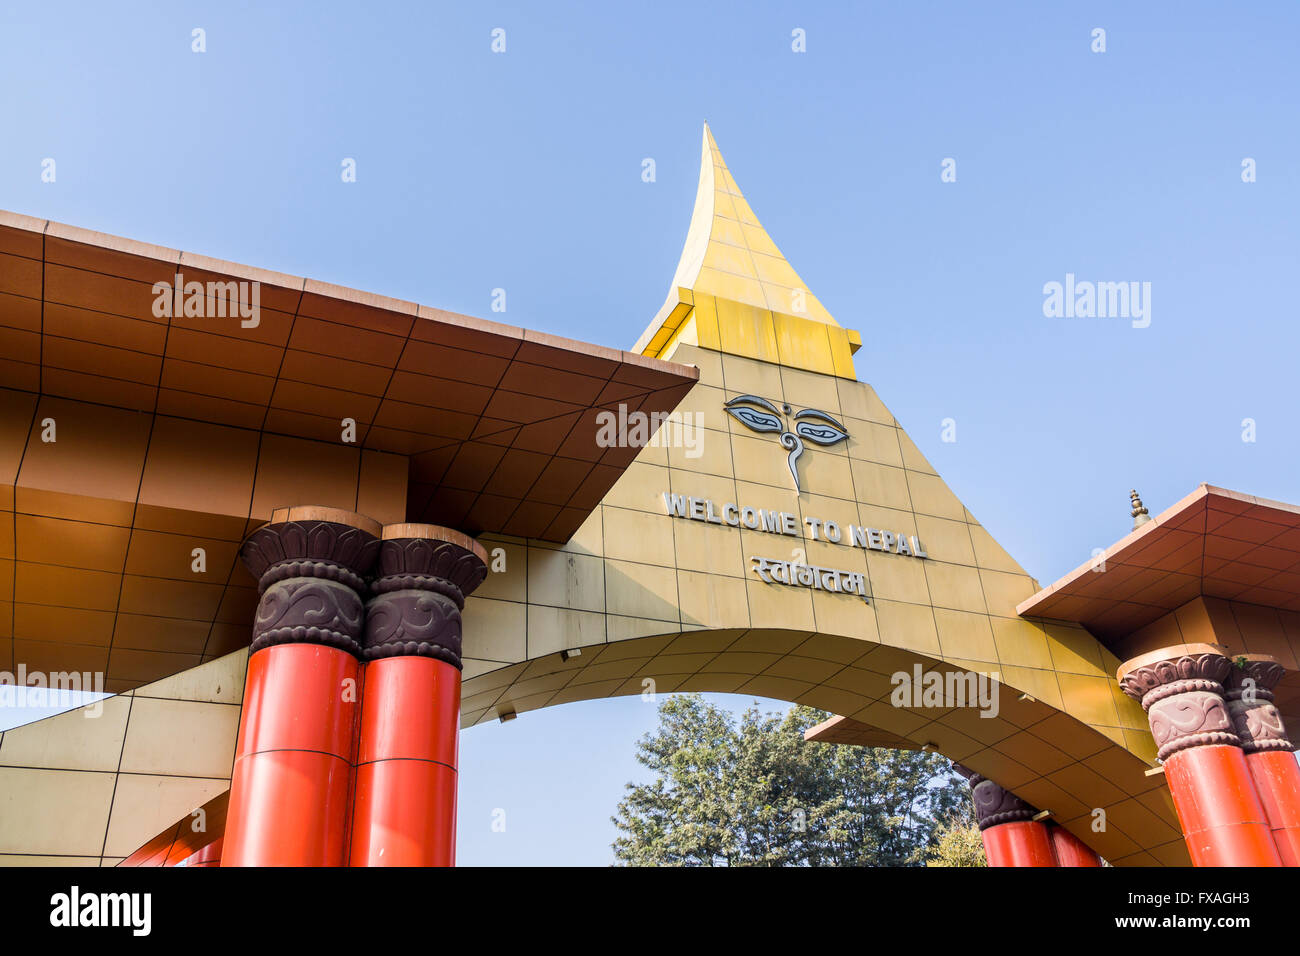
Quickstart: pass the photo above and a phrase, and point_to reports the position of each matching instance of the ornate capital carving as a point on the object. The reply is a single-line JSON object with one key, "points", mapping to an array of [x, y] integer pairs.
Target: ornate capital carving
{"points": [[425, 573], [424, 623], [1191, 719], [308, 611], [994, 804], [310, 565], [1201, 670], [309, 548], [1254, 673], [429, 564], [1181, 689], [1255, 718]]}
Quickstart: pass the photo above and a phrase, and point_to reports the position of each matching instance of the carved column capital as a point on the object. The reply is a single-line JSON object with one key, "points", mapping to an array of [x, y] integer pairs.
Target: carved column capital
{"points": [[310, 564], [1249, 693], [1181, 688], [994, 804], [425, 572]]}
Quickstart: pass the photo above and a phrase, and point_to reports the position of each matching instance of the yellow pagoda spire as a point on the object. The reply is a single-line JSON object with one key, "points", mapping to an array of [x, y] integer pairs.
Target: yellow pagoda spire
{"points": [[734, 291]]}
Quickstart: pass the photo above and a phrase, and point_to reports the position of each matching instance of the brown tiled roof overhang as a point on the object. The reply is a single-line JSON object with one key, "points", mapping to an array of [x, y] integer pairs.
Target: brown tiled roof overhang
{"points": [[846, 730], [1213, 543], [499, 422]]}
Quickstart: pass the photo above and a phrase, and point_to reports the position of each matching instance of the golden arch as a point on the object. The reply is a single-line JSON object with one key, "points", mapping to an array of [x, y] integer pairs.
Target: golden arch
{"points": [[642, 596], [631, 594]]}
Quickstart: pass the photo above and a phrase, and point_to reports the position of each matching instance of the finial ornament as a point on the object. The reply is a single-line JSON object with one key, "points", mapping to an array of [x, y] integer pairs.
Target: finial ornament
{"points": [[1140, 515]]}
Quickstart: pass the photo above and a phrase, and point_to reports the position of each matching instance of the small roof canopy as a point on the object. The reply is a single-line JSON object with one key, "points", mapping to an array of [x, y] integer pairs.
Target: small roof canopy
{"points": [[1214, 543]]}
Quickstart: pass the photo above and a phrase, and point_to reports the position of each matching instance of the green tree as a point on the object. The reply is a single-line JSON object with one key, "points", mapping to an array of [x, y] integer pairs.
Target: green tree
{"points": [[751, 792], [957, 842]]}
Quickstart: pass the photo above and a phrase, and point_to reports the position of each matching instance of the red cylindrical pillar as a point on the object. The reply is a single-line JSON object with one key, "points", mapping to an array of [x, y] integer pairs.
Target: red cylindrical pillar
{"points": [[1269, 752], [210, 855], [1018, 843], [289, 791], [404, 811], [1069, 850], [1181, 689], [1222, 817], [1011, 835], [406, 764], [293, 758], [1277, 779]]}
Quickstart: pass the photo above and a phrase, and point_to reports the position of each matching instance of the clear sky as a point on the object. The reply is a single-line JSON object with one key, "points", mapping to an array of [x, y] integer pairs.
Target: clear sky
{"points": [[522, 170]]}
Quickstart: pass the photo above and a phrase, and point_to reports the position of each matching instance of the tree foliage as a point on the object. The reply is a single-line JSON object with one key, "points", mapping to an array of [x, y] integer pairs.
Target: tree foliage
{"points": [[957, 843], [752, 792]]}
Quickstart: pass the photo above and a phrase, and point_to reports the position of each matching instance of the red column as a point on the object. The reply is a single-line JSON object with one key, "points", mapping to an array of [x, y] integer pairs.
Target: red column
{"points": [[1269, 752], [1011, 835], [293, 758], [406, 764], [1277, 779], [405, 807], [210, 855], [1181, 689], [1069, 850], [1019, 843], [289, 791]]}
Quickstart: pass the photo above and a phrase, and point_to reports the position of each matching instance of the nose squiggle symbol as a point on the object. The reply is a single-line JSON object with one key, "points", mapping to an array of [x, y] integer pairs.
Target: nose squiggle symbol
{"points": [[760, 415]]}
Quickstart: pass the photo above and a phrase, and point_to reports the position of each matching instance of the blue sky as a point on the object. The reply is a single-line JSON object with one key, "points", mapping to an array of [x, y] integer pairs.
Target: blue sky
{"points": [[522, 171]]}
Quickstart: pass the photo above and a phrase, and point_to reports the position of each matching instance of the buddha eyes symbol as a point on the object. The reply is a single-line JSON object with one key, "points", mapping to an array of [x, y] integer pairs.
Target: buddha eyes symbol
{"points": [[760, 415]]}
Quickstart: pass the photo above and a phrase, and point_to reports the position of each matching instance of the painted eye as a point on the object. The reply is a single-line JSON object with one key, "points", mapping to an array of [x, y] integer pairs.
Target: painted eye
{"points": [[756, 419], [825, 432]]}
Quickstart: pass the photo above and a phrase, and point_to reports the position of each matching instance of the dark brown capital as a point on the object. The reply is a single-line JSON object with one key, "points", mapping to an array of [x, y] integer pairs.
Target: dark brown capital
{"points": [[425, 572], [994, 804], [310, 564]]}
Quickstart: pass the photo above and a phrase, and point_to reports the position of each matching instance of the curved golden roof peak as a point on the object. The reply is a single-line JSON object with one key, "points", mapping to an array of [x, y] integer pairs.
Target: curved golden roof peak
{"points": [[729, 257]]}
